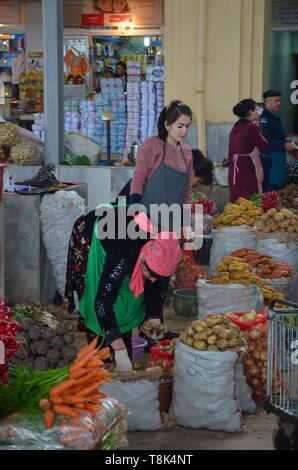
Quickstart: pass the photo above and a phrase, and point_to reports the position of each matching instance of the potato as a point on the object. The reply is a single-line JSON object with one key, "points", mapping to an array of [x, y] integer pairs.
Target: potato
{"points": [[212, 347], [225, 334], [284, 224], [271, 212], [189, 331], [217, 329], [234, 342], [222, 344], [215, 320], [212, 339], [200, 345], [189, 341], [200, 336], [198, 326], [274, 226], [279, 217]]}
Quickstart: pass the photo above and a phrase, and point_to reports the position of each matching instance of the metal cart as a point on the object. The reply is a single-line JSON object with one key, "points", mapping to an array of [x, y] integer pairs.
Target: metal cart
{"points": [[282, 373]]}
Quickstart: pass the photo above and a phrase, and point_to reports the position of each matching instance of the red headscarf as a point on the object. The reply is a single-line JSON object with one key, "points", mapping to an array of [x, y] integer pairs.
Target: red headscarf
{"points": [[162, 255]]}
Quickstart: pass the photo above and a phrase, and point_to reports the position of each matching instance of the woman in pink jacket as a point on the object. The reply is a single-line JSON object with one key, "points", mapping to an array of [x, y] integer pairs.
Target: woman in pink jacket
{"points": [[163, 173], [245, 144]]}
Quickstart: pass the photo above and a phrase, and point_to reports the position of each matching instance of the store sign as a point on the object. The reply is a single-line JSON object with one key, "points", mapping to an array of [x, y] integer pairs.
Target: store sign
{"points": [[284, 15], [139, 12], [9, 12], [92, 19]]}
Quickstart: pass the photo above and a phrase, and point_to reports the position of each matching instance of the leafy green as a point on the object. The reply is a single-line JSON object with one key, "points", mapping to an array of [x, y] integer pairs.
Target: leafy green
{"points": [[256, 198], [81, 160], [291, 320], [22, 311], [26, 388]]}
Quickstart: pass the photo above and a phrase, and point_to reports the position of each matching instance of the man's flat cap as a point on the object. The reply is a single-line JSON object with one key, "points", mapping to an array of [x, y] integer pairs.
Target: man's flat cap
{"points": [[270, 93]]}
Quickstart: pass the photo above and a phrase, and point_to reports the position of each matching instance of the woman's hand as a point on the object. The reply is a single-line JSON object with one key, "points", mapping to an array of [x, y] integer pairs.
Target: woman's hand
{"points": [[122, 360]]}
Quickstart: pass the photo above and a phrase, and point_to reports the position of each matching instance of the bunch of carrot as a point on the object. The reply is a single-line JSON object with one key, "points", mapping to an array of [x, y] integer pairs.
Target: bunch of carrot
{"points": [[81, 389]]}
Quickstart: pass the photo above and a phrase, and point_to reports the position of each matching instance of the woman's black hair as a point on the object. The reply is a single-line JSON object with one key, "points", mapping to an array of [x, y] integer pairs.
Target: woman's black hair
{"points": [[243, 107], [202, 166], [122, 64], [170, 114]]}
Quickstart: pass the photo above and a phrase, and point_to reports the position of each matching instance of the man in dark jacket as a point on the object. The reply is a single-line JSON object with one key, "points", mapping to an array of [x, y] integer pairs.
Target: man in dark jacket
{"points": [[274, 160]]}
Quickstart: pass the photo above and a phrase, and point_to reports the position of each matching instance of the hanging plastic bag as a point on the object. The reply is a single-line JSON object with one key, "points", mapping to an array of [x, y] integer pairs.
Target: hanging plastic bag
{"points": [[188, 272]]}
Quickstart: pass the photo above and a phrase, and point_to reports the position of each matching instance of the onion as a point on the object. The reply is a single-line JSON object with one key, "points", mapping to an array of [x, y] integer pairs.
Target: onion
{"points": [[254, 383], [248, 362], [253, 371], [256, 355], [263, 356], [255, 334]]}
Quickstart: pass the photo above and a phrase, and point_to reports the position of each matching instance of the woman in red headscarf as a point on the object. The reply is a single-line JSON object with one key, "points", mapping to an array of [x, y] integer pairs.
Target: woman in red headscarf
{"points": [[126, 278]]}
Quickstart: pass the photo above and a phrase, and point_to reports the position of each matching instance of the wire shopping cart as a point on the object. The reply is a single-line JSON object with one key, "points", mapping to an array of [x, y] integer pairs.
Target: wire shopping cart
{"points": [[282, 373]]}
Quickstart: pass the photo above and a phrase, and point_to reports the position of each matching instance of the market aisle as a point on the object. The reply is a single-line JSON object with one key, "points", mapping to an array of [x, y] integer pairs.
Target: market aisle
{"points": [[256, 435]]}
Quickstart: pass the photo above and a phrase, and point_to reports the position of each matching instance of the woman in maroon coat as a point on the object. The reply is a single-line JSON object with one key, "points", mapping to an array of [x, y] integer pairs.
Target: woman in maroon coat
{"points": [[245, 144]]}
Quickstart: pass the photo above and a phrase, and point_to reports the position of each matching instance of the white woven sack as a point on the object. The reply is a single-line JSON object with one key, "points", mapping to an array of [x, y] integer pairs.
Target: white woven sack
{"points": [[229, 239], [227, 298], [244, 392], [282, 285], [294, 291], [221, 175], [286, 252], [204, 390], [141, 399], [58, 213]]}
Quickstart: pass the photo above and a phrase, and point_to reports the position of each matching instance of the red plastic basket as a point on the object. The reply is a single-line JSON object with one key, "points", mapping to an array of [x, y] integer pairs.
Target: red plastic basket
{"points": [[248, 325], [156, 352]]}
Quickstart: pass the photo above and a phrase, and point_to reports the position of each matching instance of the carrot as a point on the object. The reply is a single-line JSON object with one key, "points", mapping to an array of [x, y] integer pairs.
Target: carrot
{"points": [[92, 407], [88, 376], [71, 400], [86, 390], [98, 395], [82, 362], [65, 410], [45, 404], [77, 373], [62, 387], [56, 399], [80, 406], [87, 348], [94, 363], [49, 418], [104, 353]]}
